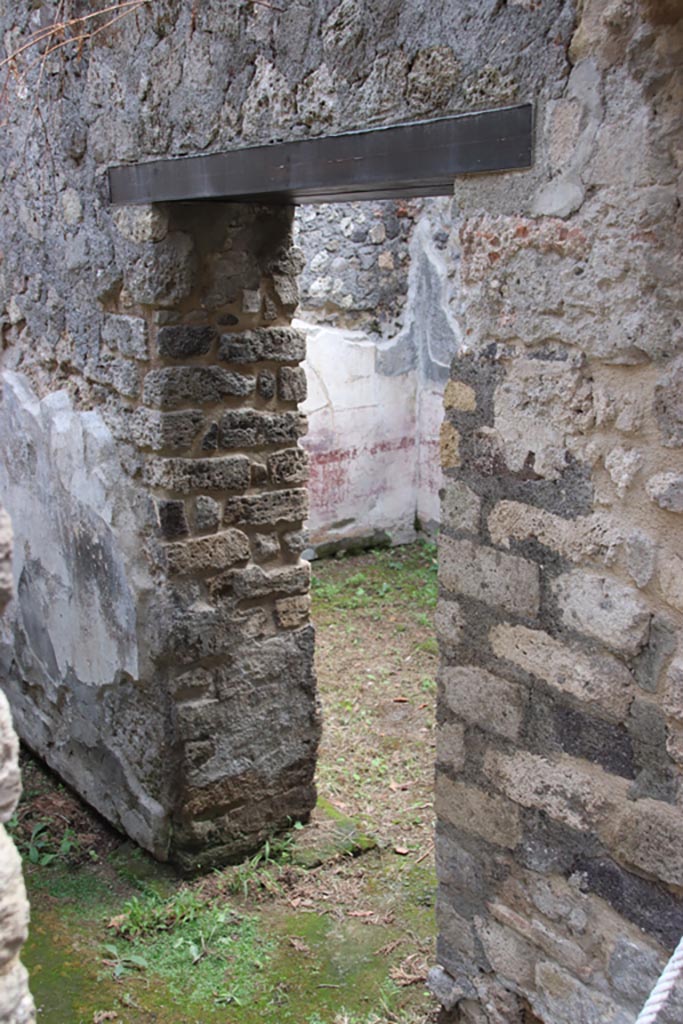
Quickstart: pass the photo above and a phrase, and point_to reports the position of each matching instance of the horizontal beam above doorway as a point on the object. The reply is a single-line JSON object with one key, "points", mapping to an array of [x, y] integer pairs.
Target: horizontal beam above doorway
{"points": [[418, 159]]}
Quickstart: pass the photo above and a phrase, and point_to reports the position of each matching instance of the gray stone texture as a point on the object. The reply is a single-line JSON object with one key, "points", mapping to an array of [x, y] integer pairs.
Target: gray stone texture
{"points": [[131, 473], [562, 419], [16, 1004], [192, 385], [228, 473], [185, 341], [280, 344]]}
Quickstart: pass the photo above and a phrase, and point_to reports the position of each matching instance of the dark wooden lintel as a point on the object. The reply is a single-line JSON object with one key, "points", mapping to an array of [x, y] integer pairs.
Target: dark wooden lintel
{"points": [[419, 159]]}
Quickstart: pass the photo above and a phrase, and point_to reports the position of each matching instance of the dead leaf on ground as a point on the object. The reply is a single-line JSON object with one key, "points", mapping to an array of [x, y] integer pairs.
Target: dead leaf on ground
{"points": [[411, 971], [101, 1015], [300, 946], [116, 923], [389, 948]]}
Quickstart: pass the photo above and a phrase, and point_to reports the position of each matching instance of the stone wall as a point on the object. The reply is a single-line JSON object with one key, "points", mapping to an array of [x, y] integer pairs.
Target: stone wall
{"points": [[151, 386], [560, 767], [16, 1005], [160, 596], [162, 612]]}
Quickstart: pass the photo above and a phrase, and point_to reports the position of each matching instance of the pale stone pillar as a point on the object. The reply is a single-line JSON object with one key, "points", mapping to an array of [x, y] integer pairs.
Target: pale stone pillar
{"points": [[16, 1004]]}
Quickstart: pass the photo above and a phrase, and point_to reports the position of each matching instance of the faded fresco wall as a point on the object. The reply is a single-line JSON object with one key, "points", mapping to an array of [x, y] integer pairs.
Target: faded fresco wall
{"points": [[376, 306], [16, 1005], [560, 760]]}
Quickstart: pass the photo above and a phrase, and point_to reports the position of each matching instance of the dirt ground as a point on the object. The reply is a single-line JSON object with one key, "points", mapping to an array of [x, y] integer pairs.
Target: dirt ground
{"points": [[116, 937]]}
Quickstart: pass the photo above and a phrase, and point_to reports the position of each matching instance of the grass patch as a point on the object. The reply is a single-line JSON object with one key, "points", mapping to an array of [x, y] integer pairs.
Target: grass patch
{"points": [[205, 952], [402, 578]]}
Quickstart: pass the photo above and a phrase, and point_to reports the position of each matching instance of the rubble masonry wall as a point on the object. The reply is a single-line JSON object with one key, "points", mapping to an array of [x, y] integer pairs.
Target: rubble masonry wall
{"points": [[560, 737]]}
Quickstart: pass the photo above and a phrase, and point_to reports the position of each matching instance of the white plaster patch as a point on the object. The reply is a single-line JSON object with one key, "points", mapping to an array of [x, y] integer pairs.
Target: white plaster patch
{"points": [[361, 439], [71, 504]]}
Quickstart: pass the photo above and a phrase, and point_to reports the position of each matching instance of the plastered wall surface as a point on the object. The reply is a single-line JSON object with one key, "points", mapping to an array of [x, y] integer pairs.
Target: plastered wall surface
{"points": [[16, 1005], [377, 306], [160, 338]]}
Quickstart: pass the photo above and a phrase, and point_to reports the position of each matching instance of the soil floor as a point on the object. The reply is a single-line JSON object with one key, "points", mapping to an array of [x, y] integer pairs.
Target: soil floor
{"points": [[116, 936]]}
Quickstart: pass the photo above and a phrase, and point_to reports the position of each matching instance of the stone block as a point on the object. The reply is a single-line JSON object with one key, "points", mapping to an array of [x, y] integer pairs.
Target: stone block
{"points": [[279, 344], [568, 790], [266, 383], [510, 956], [657, 776], [207, 513], [229, 473], [484, 700], [596, 679], [165, 273], [210, 439], [291, 384], [13, 908], [144, 223], [674, 689], [648, 666], [128, 333], [185, 341], [294, 542], [450, 745], [289, 466], [255, 582], [538, 405], [204, 554], [293, 612], [648, 904], [623, 465], [498, 579], [671, 579], [159, 430], [459, 396], [552, 939], [641, 557], [464, 867], [554, 726], [122, 375], [669, 405], [290, 506], [572, 538], [648, 835], [172, 519], [10, 778], [259, 474], [449, 622], [265, 546], [444, 988], [203, 385], [449, 446], [666, 490], [603, 608], [563, 999], [460, 507], [493, 818], [633, 970], [250, 428]]}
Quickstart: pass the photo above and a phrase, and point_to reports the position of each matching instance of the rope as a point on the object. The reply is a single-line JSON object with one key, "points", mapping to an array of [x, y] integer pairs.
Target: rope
{"points": [[662, 990]]}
